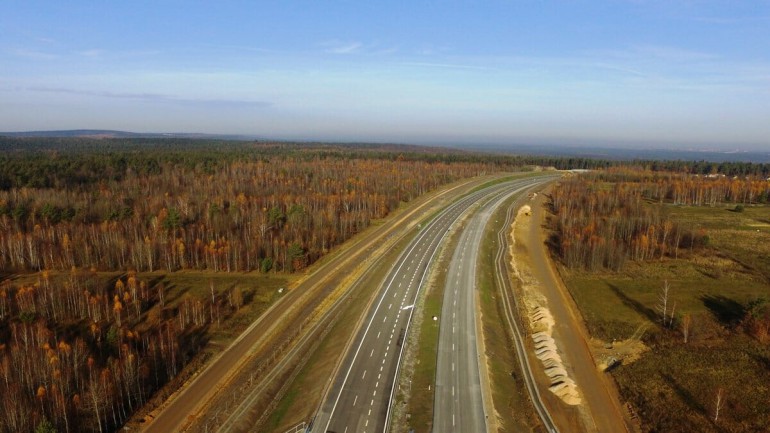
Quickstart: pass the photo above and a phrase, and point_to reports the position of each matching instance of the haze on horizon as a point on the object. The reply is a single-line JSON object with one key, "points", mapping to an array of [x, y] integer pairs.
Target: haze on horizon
{"points": [[694, 73]]}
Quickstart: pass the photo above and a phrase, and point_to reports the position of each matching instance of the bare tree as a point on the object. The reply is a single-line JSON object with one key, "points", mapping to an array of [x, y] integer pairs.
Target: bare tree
{"points": [[719, 403], [663, 304]]}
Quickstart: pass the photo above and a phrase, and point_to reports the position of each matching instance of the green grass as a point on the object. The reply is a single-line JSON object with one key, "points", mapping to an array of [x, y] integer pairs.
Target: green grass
{"points": [[259, 292], [673, 386]]}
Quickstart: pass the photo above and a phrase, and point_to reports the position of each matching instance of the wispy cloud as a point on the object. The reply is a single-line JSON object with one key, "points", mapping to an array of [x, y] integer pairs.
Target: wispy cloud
{"points": [[673, 53], [619, 68], [156, 97], [358, 48], [336, 47], [238, 48], [653, 52], [33, 54], [449, 66]]}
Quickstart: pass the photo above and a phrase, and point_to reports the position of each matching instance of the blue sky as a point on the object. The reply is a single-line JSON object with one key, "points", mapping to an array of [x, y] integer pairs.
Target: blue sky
{"points": [[645, 73]]}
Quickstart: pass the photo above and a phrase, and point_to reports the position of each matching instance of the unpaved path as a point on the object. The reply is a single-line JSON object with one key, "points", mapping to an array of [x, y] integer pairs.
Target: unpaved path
{"points": [[600, 409]]}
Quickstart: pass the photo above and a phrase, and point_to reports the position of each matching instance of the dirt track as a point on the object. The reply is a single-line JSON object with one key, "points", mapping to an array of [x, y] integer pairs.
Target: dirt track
{"points": [[601, 410]]}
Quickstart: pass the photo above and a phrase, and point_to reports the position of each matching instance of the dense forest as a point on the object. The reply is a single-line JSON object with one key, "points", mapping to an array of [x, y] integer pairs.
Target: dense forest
{"points": [[76, 355], [605, 218], [79, 352], [276, 212]]}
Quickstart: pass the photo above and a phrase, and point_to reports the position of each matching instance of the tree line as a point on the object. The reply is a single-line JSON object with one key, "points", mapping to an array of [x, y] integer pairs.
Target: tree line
{"points": [[603, 219], [276, 214]]}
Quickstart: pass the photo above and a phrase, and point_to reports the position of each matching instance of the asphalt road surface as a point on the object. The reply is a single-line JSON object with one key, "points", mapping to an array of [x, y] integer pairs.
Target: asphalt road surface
{"points": [[458, 399], [359, 400], [191, 399]]}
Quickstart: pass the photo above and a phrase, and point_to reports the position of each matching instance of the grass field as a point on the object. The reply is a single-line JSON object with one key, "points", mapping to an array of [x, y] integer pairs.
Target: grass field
{"points": [[673, 387]]}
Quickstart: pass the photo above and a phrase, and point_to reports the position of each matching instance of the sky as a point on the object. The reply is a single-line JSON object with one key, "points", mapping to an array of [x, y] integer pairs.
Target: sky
{"points": [[670, 73]]}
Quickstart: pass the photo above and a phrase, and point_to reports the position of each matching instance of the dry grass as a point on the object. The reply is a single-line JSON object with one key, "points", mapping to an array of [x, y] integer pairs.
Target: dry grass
{"points": [[509, 392], [673, 386]]}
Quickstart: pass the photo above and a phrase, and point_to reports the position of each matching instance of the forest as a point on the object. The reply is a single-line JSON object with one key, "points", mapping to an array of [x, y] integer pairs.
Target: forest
{"points": [[605, 218], [80, 351], [89, 226]]}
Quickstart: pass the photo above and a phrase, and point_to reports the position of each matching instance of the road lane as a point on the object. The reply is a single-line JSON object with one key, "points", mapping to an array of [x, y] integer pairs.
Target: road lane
{"points": [[190, 401], [359, 400], [458, 400]]}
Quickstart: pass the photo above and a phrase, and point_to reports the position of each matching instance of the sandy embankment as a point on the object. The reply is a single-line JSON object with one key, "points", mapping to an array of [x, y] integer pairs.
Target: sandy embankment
{"points": [[541, 321]]}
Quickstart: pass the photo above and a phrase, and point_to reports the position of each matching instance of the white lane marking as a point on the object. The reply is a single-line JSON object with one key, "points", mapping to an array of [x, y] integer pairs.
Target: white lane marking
{"points": [[453, 420], [453, 391], [390, 305], [355, 400], [377, 384], [370, 355], [363, 375], [378, 334], [386, 318], [379, 376], [374, 394]]}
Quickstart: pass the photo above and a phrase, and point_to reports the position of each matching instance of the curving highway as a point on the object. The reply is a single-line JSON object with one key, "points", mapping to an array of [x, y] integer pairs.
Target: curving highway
{"points": [[360, 397], [458, 399]]}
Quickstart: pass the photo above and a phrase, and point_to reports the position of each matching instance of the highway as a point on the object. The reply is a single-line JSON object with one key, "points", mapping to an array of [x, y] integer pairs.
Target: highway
{"points": [[458, 400], [360, 397], [190, 402]]}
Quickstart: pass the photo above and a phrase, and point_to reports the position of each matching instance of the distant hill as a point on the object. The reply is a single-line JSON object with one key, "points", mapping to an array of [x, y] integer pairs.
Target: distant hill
{"points": [[628, 153], [105, 133]]}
